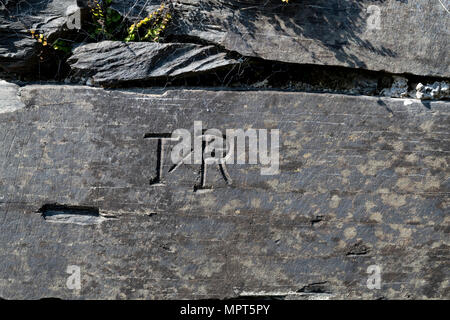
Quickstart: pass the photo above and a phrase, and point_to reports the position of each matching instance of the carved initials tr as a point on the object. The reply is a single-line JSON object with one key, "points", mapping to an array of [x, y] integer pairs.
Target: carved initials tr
{"points": [[158, 180]]}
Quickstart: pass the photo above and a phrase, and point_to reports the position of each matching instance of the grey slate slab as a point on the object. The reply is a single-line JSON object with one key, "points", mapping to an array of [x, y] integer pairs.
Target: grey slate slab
{"points": [[363, 181], [114, 62], [397, 36]]}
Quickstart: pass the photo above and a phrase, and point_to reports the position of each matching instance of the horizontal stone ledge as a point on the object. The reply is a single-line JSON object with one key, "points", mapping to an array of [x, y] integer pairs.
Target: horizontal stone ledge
{"points": [[362, 182]]}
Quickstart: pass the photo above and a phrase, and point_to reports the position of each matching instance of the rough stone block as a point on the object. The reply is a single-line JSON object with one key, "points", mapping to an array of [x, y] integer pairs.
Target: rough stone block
{"points": [[363, 181]]}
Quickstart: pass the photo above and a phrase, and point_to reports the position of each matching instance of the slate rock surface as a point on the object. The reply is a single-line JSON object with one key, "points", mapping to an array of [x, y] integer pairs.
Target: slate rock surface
{"points": [[18, 50], [363, 181], [114, 62], [397, 36]]}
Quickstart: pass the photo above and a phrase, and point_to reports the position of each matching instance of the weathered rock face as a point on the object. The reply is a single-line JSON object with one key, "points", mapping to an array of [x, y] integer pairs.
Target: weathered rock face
{"points": [[357, 184], [397, 36], [18, 50], [114, 62], [363, 181]]}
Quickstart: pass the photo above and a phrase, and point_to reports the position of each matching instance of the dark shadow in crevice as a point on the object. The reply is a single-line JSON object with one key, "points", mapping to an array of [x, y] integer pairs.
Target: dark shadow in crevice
{"points": [[259, 74]]}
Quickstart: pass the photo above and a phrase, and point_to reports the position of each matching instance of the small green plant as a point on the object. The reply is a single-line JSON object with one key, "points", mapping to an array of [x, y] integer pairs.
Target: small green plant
{"points": [[58, 44], [62, 45], [107, 23], [150, 28], [39, 37]]}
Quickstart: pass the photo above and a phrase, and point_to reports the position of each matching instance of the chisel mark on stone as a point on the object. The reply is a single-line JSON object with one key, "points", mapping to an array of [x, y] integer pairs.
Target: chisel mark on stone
{"points": [[316, 220], [316, 287], [161, 138], [81, 215], [358, 249]]}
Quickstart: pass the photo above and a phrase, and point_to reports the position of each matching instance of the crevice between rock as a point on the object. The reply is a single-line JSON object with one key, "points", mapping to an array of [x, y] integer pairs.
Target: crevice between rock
{"points": [[224, 64]]}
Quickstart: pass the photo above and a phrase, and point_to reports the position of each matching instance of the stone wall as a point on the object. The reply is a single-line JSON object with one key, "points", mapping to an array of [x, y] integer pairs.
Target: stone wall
{"points": [[87, 179]]}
